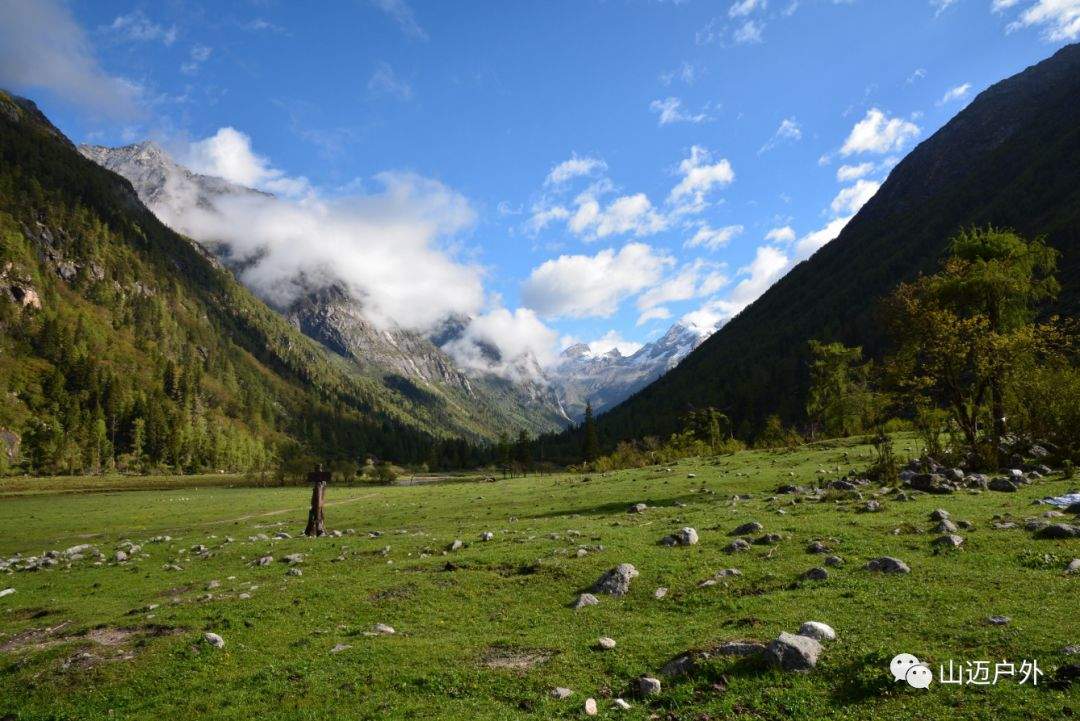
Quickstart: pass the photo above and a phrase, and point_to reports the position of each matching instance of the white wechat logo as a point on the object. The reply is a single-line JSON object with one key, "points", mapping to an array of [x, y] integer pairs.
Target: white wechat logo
{"points": [[906, 667]]}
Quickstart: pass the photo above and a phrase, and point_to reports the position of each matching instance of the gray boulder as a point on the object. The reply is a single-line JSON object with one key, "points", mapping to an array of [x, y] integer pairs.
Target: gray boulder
{"points": [[888, 564], [616, 582], [793, 653]]}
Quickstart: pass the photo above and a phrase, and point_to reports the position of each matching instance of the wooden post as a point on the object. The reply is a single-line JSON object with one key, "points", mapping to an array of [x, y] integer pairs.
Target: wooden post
{"points": [[318, 480]]}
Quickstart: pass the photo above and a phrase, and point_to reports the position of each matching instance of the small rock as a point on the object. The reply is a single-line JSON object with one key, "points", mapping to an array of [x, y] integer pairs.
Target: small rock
{"points": [[561, 692], [381, 629], [816, 574], [939, 514], [210, 586], [740, 648], [747, 528], [817, 630], [834, 561], [888, 564], [616, 582], [661, 591], [683, 537], [1003, 485], [682, 665], [264, 561], [487, 536], [121, 557], [737, 546], [871, 506], [768, 539], [457, 545], [793, 653], [946, 526], [817, 547], [1073, 567], [648, 686], [585, 599], [214, 640], [621, 704], [998, 620], [7, 592], [1058, 531], [282, 535], [949, 540], [340, 647], [605, 644], [293, 558], [638, 508], [294, 572], [590, 707]]}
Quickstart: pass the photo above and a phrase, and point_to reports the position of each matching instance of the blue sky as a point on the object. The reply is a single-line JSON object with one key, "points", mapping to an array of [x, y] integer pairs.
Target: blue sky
{"points": [[560, 170]]}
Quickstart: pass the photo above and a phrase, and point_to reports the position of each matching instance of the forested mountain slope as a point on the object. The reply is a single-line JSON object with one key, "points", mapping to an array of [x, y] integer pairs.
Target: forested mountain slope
{"points": [[123, 342], [1011, 159]]}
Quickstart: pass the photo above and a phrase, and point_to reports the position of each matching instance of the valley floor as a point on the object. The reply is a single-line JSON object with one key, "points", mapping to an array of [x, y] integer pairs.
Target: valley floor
{"points": [[487, 632]]}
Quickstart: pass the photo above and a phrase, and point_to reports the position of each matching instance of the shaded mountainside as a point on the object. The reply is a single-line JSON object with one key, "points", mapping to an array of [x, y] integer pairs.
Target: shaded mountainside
{"points": [[123, 338], [1010, 159], [403, 360]]}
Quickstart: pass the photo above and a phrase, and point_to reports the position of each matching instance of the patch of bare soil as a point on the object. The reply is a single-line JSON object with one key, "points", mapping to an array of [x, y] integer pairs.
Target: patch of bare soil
{"points": [[37, 639], [503, 658]]}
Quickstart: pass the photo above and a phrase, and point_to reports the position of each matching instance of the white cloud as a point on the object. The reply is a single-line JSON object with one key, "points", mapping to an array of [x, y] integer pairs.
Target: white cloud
{"points": [[199, 54], [657, 313], [700, 176], [42, 47], [713, 238], [385, 80], [687, 73], [386, 247], [632, 214], [782, 235], [878, 133], [811, 242], [137, 27], [742, 8], [942, 5], [671, 110], [613, 340], [228, 154], [847, 173], [768, 265], [694, 280], [575, 167], [916, 75], [958, 93], [789, 130], [850, 199], [1059, 19], [581, 286], [514, 335], [749, 32], [402, 14]]}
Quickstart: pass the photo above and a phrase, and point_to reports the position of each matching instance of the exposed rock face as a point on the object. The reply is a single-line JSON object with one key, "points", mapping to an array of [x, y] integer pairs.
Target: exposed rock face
{"points": [[609, 378], [408, 361]]}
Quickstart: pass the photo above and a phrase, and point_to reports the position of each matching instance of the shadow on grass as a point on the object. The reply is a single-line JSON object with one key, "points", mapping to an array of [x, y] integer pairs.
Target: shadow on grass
{"points": [[617, 507]]}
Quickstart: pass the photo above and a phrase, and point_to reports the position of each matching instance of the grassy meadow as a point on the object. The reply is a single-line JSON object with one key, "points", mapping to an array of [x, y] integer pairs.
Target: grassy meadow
{"points": [[487, 631]]}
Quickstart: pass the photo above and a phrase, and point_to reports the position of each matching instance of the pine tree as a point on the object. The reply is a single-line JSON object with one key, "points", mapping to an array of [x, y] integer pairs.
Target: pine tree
{"points": [[591, 448]]}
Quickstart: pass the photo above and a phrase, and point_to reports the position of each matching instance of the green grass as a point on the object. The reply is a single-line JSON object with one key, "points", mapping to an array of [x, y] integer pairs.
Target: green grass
{"points": [[513, 594]]}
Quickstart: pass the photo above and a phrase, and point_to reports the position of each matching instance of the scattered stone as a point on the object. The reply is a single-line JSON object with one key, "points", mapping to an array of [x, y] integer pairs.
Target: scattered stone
{"points": [[282, 535], [683, 537], [946, 526], [768, 539], [725, 572], [214, 640], [834, 561], [998, 620], [590, 707], [648, 686], [457, 545], [294, 572], [691, 475], [740, 648], [561, 692], [1003, 485], [1073, 567], [949, 540], [638, 508], [939, 514], [487, 536], [816, 574], [681, 665], [616, 582], [7, 592], [888, 564], [263, 561], [121, 557], [381, 629], [966, 525], [1072, 650], [172, 567], [605, 644], [871, 506], [211, 585], [293, 559], [585, 599], [737, 546], [244, 596], [747, 528], [338, 648], [793, 653], [661, 591], [817, 630], [621, 704], [1058, 531]]}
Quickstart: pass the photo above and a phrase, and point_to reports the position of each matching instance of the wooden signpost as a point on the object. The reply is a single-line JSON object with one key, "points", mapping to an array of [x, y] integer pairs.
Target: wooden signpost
{"points": [[318, 480]]}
